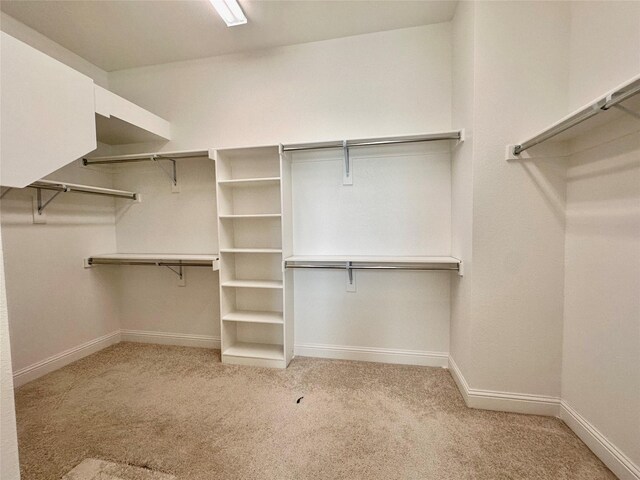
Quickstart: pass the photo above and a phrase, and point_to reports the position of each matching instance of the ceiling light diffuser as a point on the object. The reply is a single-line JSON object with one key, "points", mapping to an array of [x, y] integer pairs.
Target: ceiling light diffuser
{"points": [[230, 12]]}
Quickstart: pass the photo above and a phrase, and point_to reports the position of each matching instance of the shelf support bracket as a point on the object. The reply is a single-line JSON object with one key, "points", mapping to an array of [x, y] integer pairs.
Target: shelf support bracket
{"points": [[42, 205], [351, 281], [172, 175], [347, 178], [179, 273]]}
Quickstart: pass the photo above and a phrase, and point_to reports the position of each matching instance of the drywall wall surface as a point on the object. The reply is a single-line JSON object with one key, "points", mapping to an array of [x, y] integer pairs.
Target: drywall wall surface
{"points": [[601, 353], [605, 48], [9, 465], [55, 304], [150, 298], [404, 313], [518, 217], [600, 378], [399, 204], [38, 41], [387, 83], [463, 64]]}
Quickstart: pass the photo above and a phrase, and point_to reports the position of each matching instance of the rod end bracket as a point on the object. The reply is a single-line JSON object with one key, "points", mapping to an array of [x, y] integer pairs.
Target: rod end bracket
{"points": [[511, 154]]}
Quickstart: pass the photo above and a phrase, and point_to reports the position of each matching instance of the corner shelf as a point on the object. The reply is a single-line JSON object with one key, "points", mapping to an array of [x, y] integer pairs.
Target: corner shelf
{"points": [[251, 250], [273, 284], [250, 182], [263, 351], [254, 317], [256, 215]]}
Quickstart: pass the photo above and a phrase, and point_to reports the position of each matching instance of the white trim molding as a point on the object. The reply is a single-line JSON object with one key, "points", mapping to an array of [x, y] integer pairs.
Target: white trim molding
{"points": [[504, 401], [167, 338], [38, 369], [606, 451], [369, 354]]}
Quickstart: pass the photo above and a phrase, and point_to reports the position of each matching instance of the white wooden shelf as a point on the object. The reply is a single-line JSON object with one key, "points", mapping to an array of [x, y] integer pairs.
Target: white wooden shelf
{"points": [[159, 259], [252, 215], [373, 262], [254, 327], [250, 182], [175, 155], [254, 317], [255, 350], [457, 135], [273, 284], [442, 260], [250, 250], [623, 100]]}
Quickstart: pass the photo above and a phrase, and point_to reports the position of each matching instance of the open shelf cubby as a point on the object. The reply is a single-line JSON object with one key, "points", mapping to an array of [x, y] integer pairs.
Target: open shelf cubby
{"points": [[253, 317]]}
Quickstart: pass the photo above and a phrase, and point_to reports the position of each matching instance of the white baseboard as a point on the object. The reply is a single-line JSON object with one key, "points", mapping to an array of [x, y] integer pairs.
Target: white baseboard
{"points": [[166, 338], [504, 401], [367, 354], [606, 451], [24, 375]]}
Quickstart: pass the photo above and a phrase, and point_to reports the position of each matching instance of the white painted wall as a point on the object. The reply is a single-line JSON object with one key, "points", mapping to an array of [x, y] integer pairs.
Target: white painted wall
{"points": [[9, 465], [379, 84], [605, 39], [387, 83], [149, 298], [511, 335], [601, 354], [55, 304], [399, 204]]}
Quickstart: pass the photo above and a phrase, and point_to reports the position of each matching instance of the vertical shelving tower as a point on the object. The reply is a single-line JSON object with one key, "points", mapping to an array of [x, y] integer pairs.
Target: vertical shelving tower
{"points": [[254, 326]]}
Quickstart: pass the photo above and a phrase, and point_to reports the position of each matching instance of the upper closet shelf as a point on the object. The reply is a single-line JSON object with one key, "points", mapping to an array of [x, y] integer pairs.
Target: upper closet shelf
{"points": [[145, 157], [362, 262], [63, 187], [425, 137], [157, 259], [153, 157], [119, 121], [624, 100], [345, 145]]}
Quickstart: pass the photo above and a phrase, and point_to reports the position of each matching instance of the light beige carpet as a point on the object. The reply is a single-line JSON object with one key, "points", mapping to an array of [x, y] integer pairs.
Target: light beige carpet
{"points": [[180, 411], [94, 469]]}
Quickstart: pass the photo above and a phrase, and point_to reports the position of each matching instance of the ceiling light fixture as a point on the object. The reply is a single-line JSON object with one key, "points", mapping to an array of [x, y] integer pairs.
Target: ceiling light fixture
{"points": [[230, 12]]}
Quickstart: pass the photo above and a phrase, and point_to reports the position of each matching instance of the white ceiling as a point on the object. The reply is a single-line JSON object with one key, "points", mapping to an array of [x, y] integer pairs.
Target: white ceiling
{"points": [[123, 34]]}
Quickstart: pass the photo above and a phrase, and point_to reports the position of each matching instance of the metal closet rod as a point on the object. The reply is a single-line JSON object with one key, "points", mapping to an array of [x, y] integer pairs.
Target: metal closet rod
{"points": [[604, 104], [71, 187], [455, 135], [142, 157], [193, 263], [376, 267]]}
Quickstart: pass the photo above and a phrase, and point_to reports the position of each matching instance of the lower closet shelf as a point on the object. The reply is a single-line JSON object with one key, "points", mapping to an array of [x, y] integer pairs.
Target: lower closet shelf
{"points": [[264, 351], [211, 260], [275, 284], [254, 317]]}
